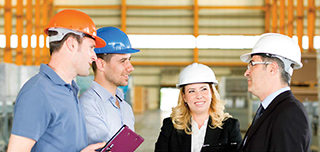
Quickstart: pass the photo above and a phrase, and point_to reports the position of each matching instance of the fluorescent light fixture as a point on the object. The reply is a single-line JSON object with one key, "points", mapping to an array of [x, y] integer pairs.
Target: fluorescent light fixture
{"points": [[227, 41], [171, 41], [24, 41], [13, 41], [41, 41], [33, 41], [163, 41], [316, 42]]}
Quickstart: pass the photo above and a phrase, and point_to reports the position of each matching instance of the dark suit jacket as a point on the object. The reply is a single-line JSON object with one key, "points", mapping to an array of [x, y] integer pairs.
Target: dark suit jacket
{"points": [[171, 139], [283, 126]]}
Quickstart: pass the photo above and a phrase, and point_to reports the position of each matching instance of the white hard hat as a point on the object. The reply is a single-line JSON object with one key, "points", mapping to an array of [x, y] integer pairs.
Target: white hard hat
{"points": [[280, 46], [196, 73]]}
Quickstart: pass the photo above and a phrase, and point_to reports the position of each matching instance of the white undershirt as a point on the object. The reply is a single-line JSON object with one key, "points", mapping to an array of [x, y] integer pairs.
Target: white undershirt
{"points": [[198, 135]]}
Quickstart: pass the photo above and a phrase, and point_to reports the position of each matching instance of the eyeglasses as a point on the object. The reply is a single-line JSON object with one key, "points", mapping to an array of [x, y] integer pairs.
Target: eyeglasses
{"points": [[251, 64]]}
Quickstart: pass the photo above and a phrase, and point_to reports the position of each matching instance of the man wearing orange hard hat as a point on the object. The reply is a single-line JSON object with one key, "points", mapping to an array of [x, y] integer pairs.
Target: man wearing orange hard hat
{"points": [[47, 113]]}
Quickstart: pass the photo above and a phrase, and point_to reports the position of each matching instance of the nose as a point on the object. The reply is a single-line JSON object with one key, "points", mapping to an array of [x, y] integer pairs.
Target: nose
{"points": [[198, 95], [93, 56], [130, 67], [246, 74]]}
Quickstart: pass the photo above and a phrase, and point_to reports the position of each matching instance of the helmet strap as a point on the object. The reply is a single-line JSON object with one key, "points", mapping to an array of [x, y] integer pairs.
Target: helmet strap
{"points": [[61, 32], [287, 64]]}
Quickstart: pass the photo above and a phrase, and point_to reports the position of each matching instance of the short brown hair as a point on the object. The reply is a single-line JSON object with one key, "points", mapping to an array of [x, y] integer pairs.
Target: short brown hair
{"points": [[55, 46], [104, 56]]}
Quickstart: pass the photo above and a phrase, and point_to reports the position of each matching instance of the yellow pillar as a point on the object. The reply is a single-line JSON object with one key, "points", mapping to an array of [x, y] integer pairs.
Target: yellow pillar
{"points": [[37, 32], [274, 16], [196, 29], [124, 16], [282, 17], [29, 32], [311, 23], [7, 55], [267, 16], [290, 18], [19, 31], [300, 17]]}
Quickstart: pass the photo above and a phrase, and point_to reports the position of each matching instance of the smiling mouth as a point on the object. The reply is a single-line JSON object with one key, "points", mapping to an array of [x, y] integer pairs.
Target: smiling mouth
{"points": [[199, 103], [126, 76]]}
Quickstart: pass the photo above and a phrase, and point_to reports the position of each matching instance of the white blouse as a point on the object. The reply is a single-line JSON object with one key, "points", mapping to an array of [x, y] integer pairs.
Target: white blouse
{"points": [[198, 135]]}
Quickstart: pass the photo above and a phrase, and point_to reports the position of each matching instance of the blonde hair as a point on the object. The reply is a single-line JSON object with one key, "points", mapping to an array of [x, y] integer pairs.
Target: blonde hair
{"points": [[181, 115]]}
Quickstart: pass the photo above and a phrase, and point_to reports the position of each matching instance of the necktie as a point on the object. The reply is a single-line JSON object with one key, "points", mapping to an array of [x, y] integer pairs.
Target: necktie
{"points": [[258, 114]]}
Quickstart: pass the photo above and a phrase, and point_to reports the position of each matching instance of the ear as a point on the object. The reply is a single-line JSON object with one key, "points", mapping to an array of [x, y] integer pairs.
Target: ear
{"points": [[100, 63], [71, 43], [184, 97], [273, 68]]}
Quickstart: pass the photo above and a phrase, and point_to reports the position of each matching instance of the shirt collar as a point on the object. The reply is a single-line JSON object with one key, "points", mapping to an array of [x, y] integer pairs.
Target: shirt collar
{"points": [[266, 102], [104, 93], [195, 125], [54, 77], [120, 94]]}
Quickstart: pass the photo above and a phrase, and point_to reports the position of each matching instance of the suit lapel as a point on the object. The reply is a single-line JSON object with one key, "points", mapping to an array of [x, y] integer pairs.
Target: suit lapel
{"points": [[212, 135], [245, 136], [280, 98], [184, 141]]}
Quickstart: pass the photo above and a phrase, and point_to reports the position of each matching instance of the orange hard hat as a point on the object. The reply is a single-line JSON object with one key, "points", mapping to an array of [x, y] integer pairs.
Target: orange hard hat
{"points": [[77, 21]]}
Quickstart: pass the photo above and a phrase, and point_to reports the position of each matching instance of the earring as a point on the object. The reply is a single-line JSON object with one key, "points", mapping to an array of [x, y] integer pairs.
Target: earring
{"points": [[185, 104]]}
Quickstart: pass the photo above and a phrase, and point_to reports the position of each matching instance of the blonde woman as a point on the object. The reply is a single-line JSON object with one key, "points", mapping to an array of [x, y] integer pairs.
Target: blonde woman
{"points": [[198, 122]]}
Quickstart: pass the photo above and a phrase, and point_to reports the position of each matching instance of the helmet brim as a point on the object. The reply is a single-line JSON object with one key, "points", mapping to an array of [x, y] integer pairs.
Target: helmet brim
{"points": [[127, 51], [215, 83], [100, 43], [123, 51], [246, 57]]}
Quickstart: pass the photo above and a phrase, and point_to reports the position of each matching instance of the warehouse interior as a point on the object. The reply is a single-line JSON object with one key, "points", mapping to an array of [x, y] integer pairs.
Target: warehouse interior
{"points": [[171, 34]]}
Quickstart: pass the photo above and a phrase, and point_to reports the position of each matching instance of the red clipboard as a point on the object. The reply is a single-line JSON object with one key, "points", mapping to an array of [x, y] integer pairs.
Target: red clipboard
{"points": [[125, 140]]}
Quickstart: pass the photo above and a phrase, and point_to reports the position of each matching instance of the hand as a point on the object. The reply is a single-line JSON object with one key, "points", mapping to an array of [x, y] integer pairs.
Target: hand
{"points": [[93, 147]]}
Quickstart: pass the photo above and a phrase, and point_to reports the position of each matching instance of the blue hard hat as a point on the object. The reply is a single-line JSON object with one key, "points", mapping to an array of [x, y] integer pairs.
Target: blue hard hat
{"points": [[117, 41]]}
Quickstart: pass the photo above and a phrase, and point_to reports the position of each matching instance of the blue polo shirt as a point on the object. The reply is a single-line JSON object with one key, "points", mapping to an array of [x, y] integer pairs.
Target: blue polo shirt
{"points": [[47, 110]]}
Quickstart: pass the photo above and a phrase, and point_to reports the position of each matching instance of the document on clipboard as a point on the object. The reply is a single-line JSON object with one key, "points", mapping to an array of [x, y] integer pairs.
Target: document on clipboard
{"points": [[125, 140]]}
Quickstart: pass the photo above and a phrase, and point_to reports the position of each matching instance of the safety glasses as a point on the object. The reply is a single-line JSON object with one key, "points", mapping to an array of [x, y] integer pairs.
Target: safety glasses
{"points": [[251, 64]]}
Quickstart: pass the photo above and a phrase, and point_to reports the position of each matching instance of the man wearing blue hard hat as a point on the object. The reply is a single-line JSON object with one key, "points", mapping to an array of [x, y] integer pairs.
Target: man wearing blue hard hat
{"points": [[103, 103]]}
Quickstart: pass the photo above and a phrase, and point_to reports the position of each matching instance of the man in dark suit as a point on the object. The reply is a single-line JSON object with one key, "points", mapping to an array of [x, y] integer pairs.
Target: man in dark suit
{"points": [[281, 122]]}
